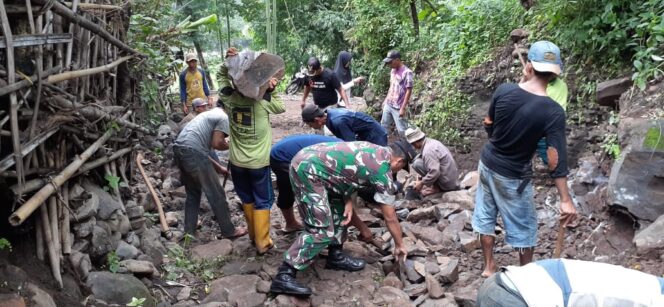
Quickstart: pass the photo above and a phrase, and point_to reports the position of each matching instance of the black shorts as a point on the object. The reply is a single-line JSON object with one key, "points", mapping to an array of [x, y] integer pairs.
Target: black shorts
{"points": [[286, 197]]}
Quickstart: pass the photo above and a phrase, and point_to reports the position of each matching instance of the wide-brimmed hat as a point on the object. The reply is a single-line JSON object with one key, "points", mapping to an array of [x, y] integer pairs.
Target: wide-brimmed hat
{"points": [[414, 134]]}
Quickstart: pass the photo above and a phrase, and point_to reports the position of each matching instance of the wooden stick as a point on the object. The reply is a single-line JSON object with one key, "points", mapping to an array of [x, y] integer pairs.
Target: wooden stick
{"points": [[19, 216], [162, 217], [65, 12], [559, 241], [53, 215], [65, 238], [13, 87], [21, 9], [28, 147], [52, 256], [86, 72], [95, 114], [39, 236]]}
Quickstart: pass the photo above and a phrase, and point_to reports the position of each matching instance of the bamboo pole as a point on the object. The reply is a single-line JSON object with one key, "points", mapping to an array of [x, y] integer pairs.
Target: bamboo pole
{"points": [[39, 240], [13, 87], [48, 238], [64, 227], [65, 12], [86, 72], [21, 9], [53, 214], [95, 114], [13, 109], [162, 218], [19, 216], [27, 148]]}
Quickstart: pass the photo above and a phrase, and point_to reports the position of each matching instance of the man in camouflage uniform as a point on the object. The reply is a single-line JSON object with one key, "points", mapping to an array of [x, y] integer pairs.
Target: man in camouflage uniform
{"points": [[337, 170]]}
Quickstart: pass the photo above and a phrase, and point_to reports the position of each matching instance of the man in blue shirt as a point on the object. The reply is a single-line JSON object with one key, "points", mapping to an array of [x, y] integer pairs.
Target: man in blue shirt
{"points": [[280, 159], [345, 124]]}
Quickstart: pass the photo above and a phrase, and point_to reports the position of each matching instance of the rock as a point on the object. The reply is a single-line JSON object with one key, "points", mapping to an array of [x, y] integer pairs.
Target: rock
{"points": [[443, 211], [415, 290], [447, 301], [88, 209], [138, 267], [461, 197], [118, 288], [431, 268], [289, 301], [608, 92], [212, 250], [138, 224], [651, 238], [135, 212], [152, 247], [433, 287], [637, 178], [163, 132], [469, 241], [389, 296], [107, 203], [429, 235], [241, 267], [449, 269], [125, 225], [403, 213], [392, 280], [40, 297], [411, 273], [242, 246], [470, 180], [238, 290], [263, 286], [171, 218], [467, 296], [421, 214], [420, 268], [11, 300], [133, 239], [415, 248], [184, 293], [84, 229], [101, 242], [588, 170], [81, 263], [518, 34]]}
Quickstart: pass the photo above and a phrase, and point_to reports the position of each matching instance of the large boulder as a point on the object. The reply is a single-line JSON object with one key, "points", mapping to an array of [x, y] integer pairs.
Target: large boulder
{"points": [[637, 177], [239, 290], [608, 92], [118, 288], [107, 203], [652, 237], [212, 250]]}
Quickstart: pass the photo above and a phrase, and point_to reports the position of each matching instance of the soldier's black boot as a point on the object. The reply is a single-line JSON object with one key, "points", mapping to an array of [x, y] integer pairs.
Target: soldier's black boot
{"points": [[337, 260], [284, 282]]}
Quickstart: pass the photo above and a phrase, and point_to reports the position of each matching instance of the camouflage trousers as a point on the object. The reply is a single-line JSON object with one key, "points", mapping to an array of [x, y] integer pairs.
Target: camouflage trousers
{"points": [[322, 214]]}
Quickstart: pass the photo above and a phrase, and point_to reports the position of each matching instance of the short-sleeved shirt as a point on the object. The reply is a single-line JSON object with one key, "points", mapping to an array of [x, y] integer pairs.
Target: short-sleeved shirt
{"points": [[557, 90], [401, 79], [197, 134], [520, 120], [324, 88], [251, 134], [286, 149], [355, 126], [345, 167], [193, 85]]}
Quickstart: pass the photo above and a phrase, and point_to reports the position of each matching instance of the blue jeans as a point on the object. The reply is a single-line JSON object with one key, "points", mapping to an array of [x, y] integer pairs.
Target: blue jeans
{"points": [[253, 186], [498, 194], [198, 175], [391, 115]]}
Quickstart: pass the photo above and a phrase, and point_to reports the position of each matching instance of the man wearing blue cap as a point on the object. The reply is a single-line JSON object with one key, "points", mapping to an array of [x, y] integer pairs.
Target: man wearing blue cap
{"points": [[519, 116]]}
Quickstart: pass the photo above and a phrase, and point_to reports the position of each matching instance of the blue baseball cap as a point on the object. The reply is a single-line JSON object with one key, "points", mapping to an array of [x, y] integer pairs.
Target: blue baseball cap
{"points": [[545, 57]]}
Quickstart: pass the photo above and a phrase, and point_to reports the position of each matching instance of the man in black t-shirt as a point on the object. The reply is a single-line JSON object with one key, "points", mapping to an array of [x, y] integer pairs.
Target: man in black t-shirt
{"points": [[519, 116], [323, 84]]}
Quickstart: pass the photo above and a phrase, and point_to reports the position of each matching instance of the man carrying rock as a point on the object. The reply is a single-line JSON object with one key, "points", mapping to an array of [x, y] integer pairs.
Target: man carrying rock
{"points": [[192, 149], [398, 96], [519, 116], [323, 84], [435, 163], [192, 83], [345, 124], [281, 155], [571, 283], [199, 105], [340, 168]]}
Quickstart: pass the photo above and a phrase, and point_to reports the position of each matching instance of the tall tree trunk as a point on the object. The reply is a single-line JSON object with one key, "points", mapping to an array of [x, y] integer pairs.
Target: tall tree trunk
{"points": [[413, 15], [197, 45]]}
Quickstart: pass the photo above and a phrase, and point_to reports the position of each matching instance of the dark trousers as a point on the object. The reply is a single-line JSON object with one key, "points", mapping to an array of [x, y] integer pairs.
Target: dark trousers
{"points": [[286, 198], [198, 175]]}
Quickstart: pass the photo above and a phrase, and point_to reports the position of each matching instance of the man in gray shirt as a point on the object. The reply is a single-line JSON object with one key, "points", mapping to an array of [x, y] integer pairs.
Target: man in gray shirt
{"points": [[192, 148], [435, 164]]}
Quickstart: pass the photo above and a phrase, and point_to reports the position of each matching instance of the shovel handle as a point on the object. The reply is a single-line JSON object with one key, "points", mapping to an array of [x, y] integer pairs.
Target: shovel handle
{"points": [[559, 241]]}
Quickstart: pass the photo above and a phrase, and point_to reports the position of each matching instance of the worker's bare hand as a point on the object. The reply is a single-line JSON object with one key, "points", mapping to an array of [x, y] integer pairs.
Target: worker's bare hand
{"points": [[272, 83], [232, 51], [220, 169], [400, 253], [302, 104], [418, 185], [402, 112], [185, 108], [359, 80], [567, 212], [348, 213], [210, 101]]}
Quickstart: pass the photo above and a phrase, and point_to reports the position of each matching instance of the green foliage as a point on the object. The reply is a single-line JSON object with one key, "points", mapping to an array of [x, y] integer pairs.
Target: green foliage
{"points": [[113, 181], [136, 302], [5, 244], [113, 262], [610, 145], [181, 263], [653, 139]]}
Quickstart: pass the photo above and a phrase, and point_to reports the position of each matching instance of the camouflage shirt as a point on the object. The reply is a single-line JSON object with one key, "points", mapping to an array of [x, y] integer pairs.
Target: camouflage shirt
{"points": [[343, 168]]}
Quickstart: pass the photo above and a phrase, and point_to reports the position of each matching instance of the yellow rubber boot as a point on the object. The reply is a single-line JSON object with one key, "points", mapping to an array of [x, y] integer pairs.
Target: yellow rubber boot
{"points": [[262, 230], [249, 216]]}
